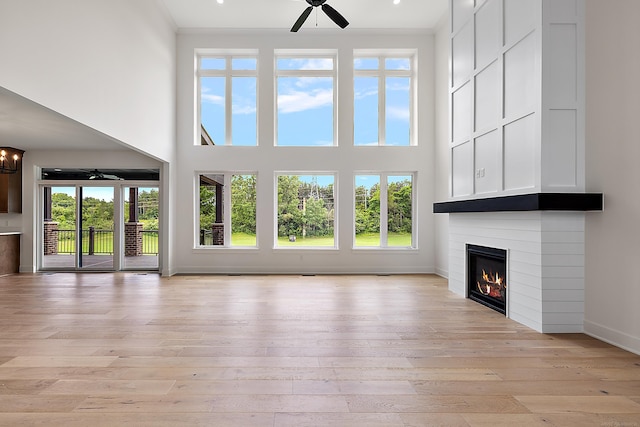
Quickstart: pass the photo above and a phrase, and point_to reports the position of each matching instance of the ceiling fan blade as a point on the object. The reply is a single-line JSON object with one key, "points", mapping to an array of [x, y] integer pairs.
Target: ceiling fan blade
{"points": [[303, 17], [114, 177], [335, 16], [95, 174]]}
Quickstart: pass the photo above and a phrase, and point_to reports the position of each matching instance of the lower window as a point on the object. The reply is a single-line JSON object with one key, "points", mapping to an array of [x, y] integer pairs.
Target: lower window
{"points": [[384, 210], [227, 214], [306, 210]]}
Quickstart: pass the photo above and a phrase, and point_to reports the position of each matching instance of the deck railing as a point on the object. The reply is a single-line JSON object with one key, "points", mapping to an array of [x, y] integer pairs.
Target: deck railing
{"points": [[98, 242]]}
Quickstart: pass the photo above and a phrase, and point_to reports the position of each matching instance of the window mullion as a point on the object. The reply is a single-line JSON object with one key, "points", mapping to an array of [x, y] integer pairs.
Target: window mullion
{"points": [[226, 206], [384, 210], [382, 102], [228, 102]]}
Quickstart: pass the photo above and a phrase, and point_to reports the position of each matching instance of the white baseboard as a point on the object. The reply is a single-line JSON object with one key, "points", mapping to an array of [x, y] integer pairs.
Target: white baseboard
{"points": [[613, 337]]}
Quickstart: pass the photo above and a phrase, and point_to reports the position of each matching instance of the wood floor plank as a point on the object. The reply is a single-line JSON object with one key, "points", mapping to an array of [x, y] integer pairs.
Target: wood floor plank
{"points": [[110, 387], [580, 404], [131, 349], [137, 419], [300, 419], [435, 404], [59, 361], [533, 420], [17, 387]]}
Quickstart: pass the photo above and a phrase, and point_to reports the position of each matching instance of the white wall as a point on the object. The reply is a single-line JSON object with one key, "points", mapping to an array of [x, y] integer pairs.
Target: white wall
{"points": [[613, 152], [442, 158], [109, 65], [266, 159]]}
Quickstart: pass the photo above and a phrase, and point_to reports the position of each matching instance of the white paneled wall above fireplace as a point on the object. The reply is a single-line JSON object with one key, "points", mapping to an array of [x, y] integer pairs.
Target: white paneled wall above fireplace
{"points": [[516, 97]]}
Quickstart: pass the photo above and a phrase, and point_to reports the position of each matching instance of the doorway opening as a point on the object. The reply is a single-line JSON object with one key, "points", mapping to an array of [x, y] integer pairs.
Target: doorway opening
{"points": [[106, 224]]}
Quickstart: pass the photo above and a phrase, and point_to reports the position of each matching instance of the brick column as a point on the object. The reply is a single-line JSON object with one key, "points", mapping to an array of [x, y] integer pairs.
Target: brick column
{"points": [[133, 239], [50, 238], [218, 233]]}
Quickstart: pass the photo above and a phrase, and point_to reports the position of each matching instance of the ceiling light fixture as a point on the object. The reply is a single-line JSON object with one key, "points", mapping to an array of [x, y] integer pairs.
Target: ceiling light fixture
{"points": [[9, 165], [220, 1], [396, 1]]}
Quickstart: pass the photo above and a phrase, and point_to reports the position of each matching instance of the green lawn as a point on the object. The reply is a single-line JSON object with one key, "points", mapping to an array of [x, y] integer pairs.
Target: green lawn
{"points": [[243, 239], [362, 240], [393, 239], [150, 242], [324, 241], [103, 244]]}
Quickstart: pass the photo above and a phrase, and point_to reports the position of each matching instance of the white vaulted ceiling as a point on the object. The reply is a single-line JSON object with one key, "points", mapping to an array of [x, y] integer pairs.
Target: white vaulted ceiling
{"points": [[28, 125], [281, 14]]}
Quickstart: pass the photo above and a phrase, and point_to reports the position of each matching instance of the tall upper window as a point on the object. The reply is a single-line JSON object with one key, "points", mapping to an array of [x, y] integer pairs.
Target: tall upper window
{"points": [[306, 100], [228, 99], [383, 99], [384, 210]]}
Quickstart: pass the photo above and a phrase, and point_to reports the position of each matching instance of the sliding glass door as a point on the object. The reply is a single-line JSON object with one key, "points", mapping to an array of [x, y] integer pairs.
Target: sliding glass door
{"points": [[100, 227], [95, 235], [78, 228], [60, 246], [140, 232]]}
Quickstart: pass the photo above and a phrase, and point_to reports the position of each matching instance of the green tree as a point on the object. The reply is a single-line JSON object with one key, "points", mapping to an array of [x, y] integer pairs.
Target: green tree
{"points": [[207, 206], [148, 203], [316, 218], [63, 211], [289, 213], [243, 204], [368, 209], [97, 213], [399, 201]]}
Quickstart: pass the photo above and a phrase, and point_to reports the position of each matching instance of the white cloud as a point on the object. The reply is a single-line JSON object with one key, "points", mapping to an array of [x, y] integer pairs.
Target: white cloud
{"points": [[296, 101], [307, 64], [366, 93], [244, 109], [212, 99], [398, 84], [243, 105], [398, 113]]}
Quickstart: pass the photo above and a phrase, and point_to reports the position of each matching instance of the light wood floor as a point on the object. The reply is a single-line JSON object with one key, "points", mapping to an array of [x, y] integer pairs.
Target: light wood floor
{"points": [[136, 349]]}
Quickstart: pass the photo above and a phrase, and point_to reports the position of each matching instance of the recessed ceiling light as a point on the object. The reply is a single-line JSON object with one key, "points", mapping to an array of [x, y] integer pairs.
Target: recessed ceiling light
{"points": [[396, 1], [220, 1]]}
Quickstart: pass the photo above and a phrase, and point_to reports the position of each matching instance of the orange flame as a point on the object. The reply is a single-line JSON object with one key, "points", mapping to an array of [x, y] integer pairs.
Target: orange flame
{"points": [[492, 284]]}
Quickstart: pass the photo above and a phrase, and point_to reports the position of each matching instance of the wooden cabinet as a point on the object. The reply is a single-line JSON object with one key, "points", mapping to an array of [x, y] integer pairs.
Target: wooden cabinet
{"points": [[11, 185], [9, 253]]}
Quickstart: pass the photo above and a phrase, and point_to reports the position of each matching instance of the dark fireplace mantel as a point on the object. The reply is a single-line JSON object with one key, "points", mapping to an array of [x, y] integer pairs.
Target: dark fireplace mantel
{"points": [[525, 202]]}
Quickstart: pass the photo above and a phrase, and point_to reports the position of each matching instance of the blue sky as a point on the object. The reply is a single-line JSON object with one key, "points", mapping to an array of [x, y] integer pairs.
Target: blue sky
{"points": [[305, 104]]}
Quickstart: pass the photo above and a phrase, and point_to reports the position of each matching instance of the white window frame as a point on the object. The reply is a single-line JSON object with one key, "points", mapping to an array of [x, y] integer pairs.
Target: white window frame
{"points": [[306, 54], [384, 210], [335, 209], [226, 206], [228, 73], [382, 73]]}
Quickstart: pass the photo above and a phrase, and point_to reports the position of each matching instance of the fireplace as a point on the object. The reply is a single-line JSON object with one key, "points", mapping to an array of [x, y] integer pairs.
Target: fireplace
{"points": [[487, 276]]}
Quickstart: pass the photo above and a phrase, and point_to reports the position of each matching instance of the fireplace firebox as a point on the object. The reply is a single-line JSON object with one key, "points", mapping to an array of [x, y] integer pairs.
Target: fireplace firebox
{"points": [[487, 276]]}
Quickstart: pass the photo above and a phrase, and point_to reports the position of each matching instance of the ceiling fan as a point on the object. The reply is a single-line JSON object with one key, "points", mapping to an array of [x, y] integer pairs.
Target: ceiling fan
{"points": [[96, 174], [328, 10]]}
